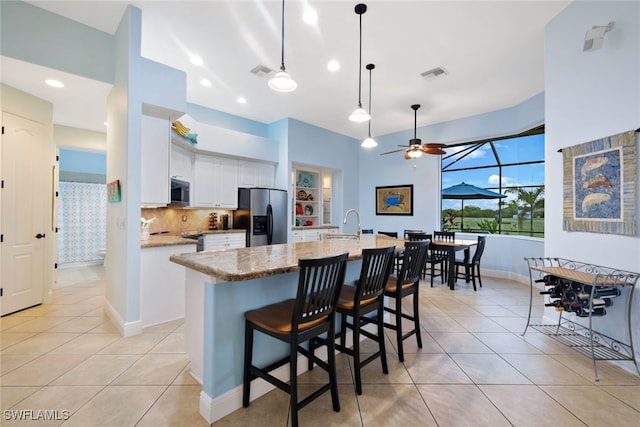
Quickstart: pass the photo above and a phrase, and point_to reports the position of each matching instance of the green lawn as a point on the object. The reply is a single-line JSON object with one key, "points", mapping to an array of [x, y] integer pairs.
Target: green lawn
{"points": [[509, 226]]}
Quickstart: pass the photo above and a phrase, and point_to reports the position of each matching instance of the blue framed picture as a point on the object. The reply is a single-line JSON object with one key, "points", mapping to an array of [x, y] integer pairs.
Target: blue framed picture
{"points": [[305, 180]]}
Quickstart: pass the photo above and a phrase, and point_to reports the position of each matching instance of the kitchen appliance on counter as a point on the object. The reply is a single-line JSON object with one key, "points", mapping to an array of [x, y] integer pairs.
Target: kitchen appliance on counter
{"points": [[263, 213], [179, 192], [225, 221]]}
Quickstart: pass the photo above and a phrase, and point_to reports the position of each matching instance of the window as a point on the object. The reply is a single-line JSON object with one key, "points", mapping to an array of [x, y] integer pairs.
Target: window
{"points": [[513, 166]]}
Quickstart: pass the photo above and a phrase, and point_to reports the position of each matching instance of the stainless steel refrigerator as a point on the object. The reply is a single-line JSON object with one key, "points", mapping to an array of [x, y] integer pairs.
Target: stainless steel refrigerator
{"points": [[263, 213]]}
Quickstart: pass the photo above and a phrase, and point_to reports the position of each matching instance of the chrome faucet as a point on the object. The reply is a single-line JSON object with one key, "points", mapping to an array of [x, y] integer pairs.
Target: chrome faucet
{"points": [[346, 214]]}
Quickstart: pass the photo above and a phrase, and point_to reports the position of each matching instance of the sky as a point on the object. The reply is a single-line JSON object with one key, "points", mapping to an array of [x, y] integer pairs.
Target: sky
{"points": [[524, 149]]}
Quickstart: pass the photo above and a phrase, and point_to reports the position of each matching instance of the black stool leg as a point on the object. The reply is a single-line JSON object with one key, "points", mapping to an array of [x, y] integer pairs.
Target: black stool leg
{"points": [[399, 328], [356, 351], [416, 317], [331, 360], [293, 382], [248, 352], [381, 345]]}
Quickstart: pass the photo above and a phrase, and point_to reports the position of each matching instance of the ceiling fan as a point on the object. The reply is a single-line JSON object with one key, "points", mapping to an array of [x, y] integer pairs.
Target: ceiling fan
{"points": [[416, 148]]}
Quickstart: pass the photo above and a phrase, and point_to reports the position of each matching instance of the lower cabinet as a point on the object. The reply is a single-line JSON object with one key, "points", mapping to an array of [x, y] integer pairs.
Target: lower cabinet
{"points": [[312, 234], [161, 284], [224, 241]]}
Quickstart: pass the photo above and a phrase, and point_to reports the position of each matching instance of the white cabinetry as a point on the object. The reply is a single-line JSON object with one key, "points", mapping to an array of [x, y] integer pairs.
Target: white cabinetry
{"points": [[311, 234], [224, 240], [181, 163], [154, 167], [162, 284], [255, 174], [215, 182]]}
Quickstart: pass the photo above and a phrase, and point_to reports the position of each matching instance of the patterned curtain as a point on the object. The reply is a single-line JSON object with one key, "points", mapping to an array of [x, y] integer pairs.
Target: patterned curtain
{"points": [[82, 218]]}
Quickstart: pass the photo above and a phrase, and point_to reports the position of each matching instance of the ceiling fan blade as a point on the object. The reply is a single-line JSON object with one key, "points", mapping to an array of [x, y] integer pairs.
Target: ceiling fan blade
{"points": [[435, 145], [433, 150], [390, 152]]}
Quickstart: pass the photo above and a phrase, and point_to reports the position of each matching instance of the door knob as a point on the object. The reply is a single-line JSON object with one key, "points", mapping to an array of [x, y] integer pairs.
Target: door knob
{"points": [[40, 236]]}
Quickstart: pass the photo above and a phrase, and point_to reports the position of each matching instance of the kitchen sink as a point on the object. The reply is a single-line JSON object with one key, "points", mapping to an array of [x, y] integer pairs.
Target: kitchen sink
{"points": [[335, 236]]}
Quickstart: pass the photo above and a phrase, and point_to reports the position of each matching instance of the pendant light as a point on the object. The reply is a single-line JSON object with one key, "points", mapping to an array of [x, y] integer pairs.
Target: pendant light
{"points": [[282, 81], [360, 114], [369, 142]]}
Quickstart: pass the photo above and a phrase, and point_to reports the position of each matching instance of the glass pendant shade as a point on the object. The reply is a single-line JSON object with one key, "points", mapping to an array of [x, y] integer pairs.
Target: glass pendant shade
{"points": [[414, 153], [282, 82], [369, 143], [359, 115]]}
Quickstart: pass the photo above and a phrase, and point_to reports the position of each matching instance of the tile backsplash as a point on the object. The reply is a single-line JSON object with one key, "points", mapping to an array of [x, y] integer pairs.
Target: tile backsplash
{"points": [[177, 220]]}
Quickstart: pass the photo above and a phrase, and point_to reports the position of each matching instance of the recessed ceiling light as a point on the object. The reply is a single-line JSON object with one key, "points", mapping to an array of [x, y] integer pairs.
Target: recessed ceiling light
{"points": [[205, 82], [310, 16], [196, 60], [333, 65], [106, 124], [241, 100], [54, 83]]}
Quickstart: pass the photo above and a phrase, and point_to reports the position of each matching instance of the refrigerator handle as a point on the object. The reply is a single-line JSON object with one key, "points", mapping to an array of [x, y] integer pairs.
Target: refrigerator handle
{"points": [[269, 224]]}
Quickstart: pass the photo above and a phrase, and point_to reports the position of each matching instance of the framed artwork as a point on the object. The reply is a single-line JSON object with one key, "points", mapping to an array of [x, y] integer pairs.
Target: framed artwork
{"points": [[394, 200], [113, 191], [599, 185]]}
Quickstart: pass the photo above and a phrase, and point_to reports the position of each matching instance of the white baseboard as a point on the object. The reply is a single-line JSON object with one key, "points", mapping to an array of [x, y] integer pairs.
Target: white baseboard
{"points": [[127, 329]]}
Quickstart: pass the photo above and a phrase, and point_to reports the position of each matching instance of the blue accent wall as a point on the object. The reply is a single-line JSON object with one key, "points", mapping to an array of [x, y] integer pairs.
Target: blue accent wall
{"points": [[83, 162]]}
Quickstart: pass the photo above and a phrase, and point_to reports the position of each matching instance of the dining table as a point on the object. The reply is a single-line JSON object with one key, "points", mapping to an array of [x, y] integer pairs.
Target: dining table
{"points": [[451, 247]]}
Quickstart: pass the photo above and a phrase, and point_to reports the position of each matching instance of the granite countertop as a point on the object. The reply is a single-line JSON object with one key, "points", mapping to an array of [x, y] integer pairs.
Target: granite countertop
{"points": [[174, 238], [234, 265], [312, 227], [159, 240]]}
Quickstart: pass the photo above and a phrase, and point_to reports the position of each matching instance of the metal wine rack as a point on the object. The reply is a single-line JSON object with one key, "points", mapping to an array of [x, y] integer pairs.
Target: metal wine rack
{"points": [[576, 335]]}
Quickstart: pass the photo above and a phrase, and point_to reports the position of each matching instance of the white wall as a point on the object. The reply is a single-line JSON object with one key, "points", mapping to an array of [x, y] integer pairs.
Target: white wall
{"points": [[590, 95], [70, 137]]}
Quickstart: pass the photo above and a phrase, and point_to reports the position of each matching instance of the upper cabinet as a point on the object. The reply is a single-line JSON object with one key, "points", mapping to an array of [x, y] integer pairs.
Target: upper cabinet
{"points": [[255, 174], [154, 167], [181, 163], [215, 182]]}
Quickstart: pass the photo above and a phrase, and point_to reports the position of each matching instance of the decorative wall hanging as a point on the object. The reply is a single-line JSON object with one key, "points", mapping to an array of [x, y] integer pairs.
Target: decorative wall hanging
{"points": [[113, 191], [394, 200], [600, 185]]}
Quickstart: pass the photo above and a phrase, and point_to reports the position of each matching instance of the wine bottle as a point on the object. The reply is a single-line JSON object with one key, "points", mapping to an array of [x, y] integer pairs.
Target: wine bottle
{"points": [[584, 312], [602, 291], [548, 280], [583, 299]]}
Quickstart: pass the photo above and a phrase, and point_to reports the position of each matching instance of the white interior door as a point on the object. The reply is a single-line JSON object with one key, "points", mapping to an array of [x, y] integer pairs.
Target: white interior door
{"points": [[25, 194]]}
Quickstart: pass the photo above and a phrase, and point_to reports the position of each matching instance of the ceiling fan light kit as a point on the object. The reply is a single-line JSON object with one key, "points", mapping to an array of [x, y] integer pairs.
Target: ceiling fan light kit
{"points": [[282, 81], [360, 114], [416, 148]]}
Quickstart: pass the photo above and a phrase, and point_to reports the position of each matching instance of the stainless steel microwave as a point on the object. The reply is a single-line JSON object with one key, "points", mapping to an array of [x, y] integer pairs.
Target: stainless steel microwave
{"points": [[179, 192]]}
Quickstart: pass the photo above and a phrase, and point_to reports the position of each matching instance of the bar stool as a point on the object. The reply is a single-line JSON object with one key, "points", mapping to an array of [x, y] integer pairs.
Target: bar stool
{"points": [[358, 301], [403, 285], [295, 321]]}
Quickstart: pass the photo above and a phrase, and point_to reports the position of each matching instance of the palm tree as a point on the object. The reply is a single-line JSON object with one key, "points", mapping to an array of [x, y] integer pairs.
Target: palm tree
{"points": [[528, 200]]}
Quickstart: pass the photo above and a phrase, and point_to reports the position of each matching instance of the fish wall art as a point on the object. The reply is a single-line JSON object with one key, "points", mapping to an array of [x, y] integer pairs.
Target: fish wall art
{"points": [[599, 185]]}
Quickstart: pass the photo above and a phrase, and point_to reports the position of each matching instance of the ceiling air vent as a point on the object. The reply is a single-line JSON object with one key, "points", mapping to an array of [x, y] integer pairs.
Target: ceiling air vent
{"points": [[434, 73], [261, 70]]}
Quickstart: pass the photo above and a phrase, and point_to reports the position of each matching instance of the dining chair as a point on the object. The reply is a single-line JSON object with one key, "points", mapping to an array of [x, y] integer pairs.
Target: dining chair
{"points": [[448, 236], [404, 284], [407, 232], [357, 302], [434, 257], [472, 266], [296, 321]]}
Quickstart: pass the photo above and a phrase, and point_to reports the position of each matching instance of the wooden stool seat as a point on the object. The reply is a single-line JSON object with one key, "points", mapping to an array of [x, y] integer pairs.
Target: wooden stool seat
{"points": [[277, 317]]}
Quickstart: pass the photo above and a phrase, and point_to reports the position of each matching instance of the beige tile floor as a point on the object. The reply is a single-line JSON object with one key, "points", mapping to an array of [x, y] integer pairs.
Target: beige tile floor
{"points": [[474, 369]]}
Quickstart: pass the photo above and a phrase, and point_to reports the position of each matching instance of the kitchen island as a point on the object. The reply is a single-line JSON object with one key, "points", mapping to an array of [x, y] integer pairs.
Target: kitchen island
{"points": [[221, 285]]}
